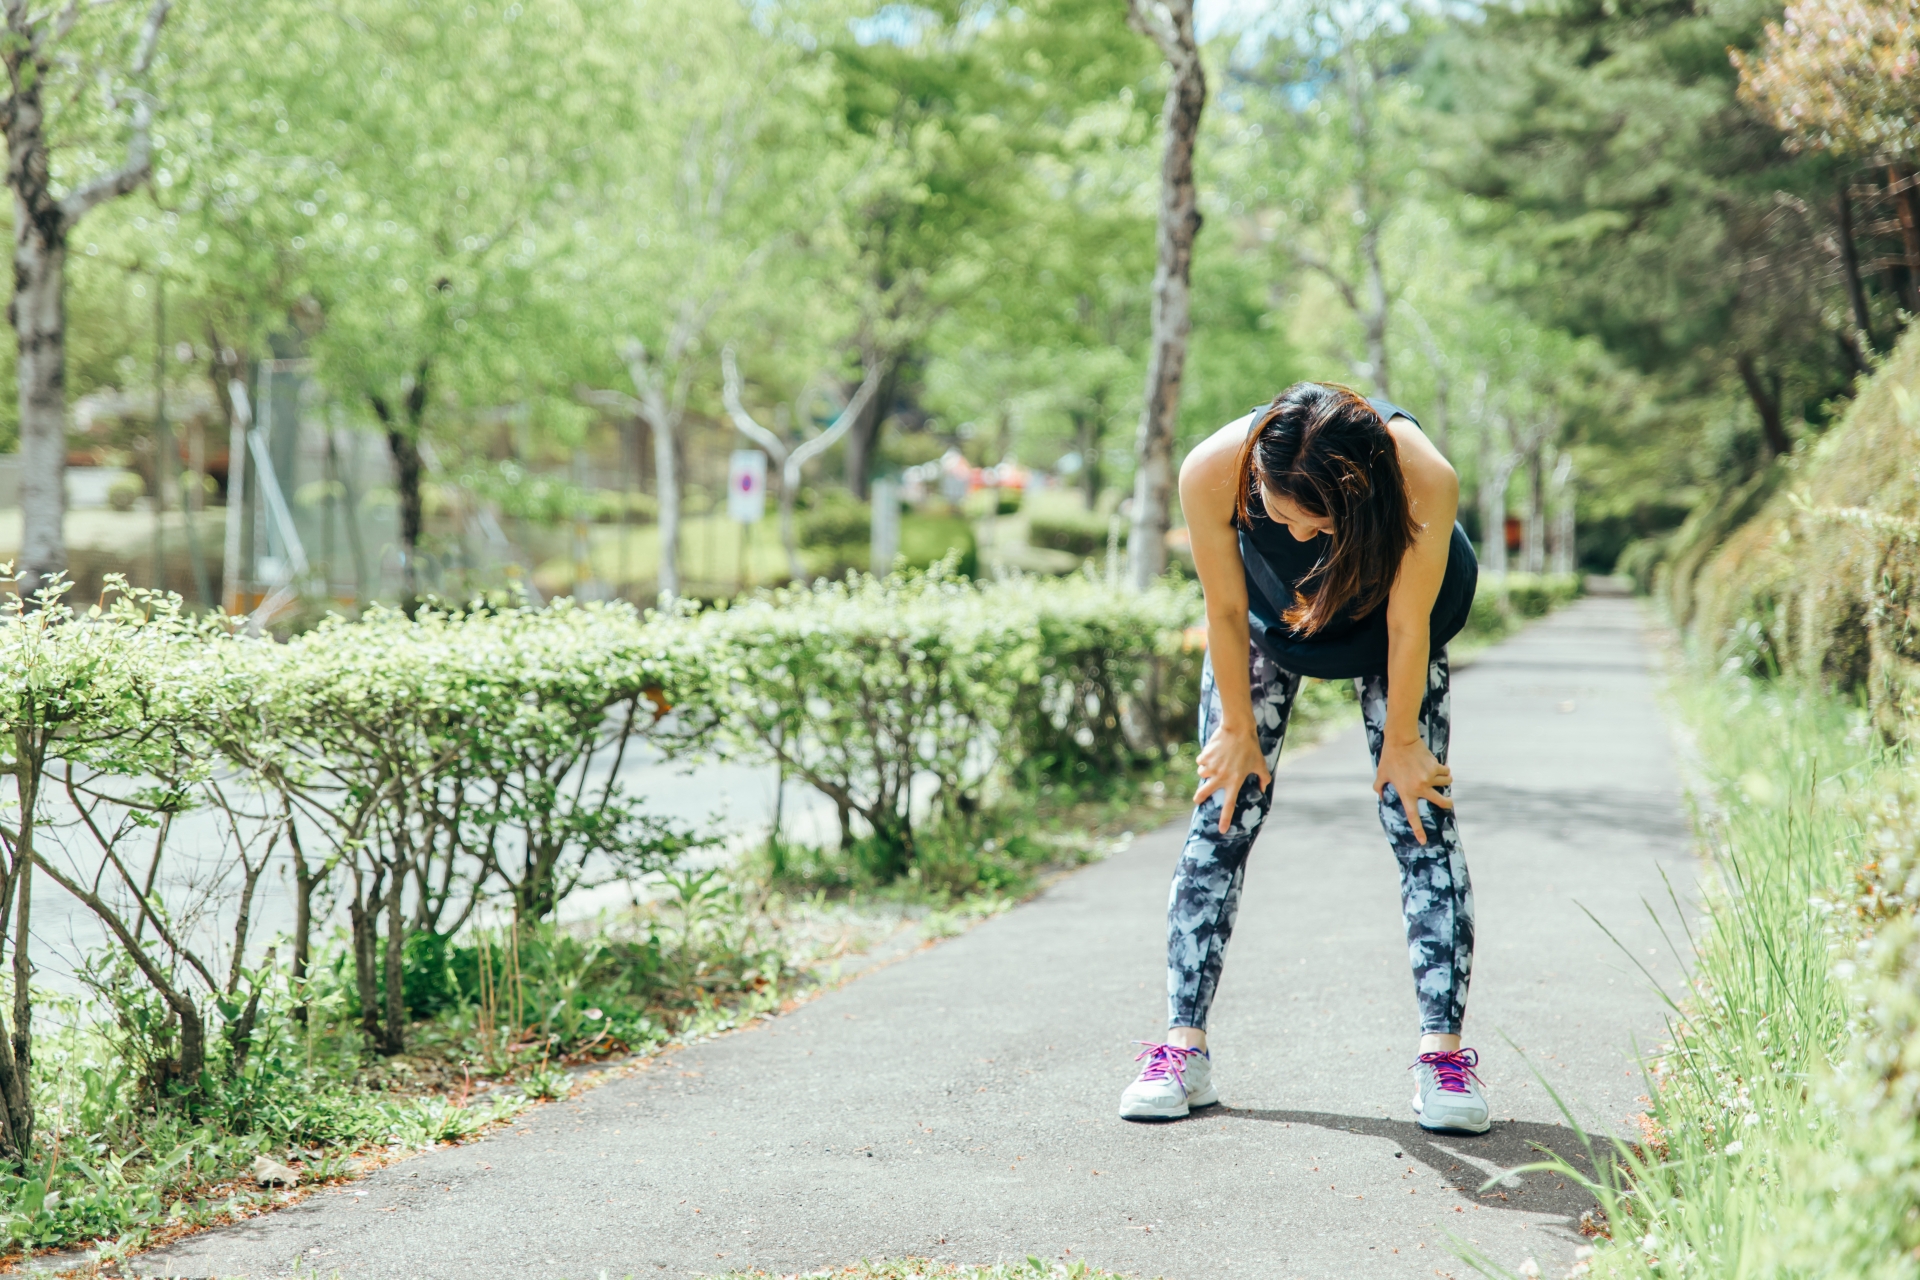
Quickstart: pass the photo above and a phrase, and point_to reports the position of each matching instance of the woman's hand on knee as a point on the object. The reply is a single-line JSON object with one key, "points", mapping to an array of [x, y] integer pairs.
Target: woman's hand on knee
{"points": [[1416, 775], [1229, 759]]}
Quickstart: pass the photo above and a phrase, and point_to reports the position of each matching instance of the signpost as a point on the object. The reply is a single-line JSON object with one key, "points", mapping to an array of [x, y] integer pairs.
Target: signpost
{"points": [[746, 497]]}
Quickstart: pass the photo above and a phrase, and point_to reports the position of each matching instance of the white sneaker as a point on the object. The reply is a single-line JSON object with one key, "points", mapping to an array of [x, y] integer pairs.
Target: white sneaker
{"points": [[1174, 1081], [1447, 1095]]}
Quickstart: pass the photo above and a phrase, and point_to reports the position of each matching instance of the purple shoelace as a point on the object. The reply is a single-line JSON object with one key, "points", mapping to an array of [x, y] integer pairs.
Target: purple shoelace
{"points": [[1164, 1060], [1452, 1069]]}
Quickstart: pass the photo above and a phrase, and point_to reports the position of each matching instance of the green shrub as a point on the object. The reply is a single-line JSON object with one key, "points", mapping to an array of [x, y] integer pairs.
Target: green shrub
{"points": [[861, 687], [984, 502], [1076, 533], [1501, 604], [611, 506], [1813, 562], [419, 770], [1081, 712], [836, 526], [836, 534], [124, 490], [926, 540]]}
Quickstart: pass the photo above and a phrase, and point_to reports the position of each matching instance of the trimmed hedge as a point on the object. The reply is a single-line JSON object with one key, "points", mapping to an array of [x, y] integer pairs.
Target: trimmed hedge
{"points": [[415, 769], [1076, 533]]}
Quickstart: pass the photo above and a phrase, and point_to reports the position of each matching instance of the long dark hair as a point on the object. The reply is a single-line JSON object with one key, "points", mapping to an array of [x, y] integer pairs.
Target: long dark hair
{"points": [[1324, 448]]}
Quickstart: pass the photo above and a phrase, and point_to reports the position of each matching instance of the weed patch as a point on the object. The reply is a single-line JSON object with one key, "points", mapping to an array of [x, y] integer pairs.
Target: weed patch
{"points": [[1772, 1144]]}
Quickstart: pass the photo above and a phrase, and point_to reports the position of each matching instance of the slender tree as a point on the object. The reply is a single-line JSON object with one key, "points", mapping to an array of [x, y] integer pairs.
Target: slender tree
{"points": [[1169, 24], [38, 63], [792, 458]]}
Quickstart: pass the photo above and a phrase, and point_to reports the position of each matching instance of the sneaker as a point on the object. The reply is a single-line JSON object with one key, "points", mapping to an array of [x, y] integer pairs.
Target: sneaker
{"points": [[1173, 1081], [1447, 1095]]}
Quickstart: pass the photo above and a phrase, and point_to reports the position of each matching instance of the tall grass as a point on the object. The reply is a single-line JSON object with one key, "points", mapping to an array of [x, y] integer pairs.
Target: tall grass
{"points": [[1743, 1128]]}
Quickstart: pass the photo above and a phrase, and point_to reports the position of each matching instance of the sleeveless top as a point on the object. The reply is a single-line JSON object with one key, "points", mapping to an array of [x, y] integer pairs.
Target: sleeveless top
{"points": [[1348, 646]]}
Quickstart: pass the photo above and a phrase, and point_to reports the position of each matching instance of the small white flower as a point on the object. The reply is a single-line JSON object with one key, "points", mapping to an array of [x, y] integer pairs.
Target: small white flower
{"points": [[1735, 1147]]}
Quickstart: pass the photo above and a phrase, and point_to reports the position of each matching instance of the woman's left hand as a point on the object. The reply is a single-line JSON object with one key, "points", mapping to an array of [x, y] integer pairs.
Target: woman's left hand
{"points": [[1416, 775]]}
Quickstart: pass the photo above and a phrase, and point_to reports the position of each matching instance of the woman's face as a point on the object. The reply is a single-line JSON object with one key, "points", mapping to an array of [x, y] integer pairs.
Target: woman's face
{"points": [[1300, 523]]}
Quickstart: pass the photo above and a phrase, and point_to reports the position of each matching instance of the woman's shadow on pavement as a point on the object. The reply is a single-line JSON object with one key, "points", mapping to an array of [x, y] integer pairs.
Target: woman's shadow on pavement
{"points": [[1467, 1161]]}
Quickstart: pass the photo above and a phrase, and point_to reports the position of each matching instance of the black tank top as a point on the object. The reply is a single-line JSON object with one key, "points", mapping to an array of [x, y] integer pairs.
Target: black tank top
{"points": [[1349, 645]]}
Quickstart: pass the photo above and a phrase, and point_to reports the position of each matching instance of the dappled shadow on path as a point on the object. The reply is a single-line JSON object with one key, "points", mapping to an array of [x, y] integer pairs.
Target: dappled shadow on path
{"points": [[1466, 1161]]}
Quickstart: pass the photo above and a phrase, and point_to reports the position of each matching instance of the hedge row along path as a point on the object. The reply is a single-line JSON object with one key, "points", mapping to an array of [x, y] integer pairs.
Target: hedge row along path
{"points": [[960, 1104]]}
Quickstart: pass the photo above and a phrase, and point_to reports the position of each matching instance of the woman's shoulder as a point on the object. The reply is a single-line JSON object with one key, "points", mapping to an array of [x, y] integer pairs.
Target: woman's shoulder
{"points": [[1429, 476], [1208, 480], [1217, 455]]}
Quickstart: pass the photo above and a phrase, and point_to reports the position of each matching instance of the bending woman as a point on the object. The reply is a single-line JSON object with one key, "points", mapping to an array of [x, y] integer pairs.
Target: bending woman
{"points": [[1323, 531]]}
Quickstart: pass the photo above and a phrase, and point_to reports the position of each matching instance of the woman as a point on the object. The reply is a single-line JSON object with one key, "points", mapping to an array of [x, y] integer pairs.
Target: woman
{"points": [[1323, 531]]}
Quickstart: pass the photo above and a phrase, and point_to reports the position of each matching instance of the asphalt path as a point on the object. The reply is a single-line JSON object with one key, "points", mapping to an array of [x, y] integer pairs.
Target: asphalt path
{"points": [[960, 1104]]}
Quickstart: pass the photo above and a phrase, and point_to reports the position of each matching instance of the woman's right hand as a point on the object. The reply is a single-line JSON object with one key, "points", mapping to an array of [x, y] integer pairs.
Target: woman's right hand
{"points": [[1228, 759]]}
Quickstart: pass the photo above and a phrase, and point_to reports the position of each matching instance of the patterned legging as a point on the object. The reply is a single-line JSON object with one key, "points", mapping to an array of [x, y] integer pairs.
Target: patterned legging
{"points": [[1435, 896]]}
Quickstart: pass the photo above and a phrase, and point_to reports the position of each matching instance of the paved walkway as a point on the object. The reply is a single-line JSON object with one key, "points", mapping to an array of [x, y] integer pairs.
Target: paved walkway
{"points": [[960, 1104]]}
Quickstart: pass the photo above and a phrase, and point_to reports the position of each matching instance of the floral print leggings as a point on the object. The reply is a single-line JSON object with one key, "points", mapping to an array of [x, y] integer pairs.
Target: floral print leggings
{"points": [[1435, 896]]}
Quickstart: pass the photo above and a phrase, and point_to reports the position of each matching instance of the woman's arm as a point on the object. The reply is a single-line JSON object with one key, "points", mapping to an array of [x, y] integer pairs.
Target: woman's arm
{"points": [[1209, 483], [1405, 761]]}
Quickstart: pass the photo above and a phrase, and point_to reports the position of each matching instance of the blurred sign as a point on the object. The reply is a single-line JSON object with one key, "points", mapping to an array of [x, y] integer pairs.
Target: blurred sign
{"points": [[747, 485]]}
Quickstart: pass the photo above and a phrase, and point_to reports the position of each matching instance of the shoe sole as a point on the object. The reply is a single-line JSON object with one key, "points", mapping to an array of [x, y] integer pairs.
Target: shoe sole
{"points": [[1454, 1128], [1211, 1100], [1421, 1120]]}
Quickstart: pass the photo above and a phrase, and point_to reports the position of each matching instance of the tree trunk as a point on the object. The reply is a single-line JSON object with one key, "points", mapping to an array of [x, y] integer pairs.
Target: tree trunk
{"points": [[1375, 319], [1906, 209], [1563, 554], [666, 471], [396, 1037], [42, 223], [1764, 391], [1534, 545], [364, 913], [38, 313], [1086, 438], [16, 1047], [863, 437], [304, 883], [1172, 318], [789, 540], [1494, 470], [403, 440], [1850, 265], [406, 469]]}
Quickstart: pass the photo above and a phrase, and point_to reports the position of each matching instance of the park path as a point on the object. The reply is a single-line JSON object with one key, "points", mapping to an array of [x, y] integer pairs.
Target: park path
{"points": [[960, 1103]]}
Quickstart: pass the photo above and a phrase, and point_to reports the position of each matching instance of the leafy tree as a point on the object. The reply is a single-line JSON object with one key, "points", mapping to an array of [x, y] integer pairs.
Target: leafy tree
{"points": [[931, 164], [972, 139], [700, 182], [1839, 76], [1642, 203], [1331, 156], [1052, 343], [386, 171]]}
